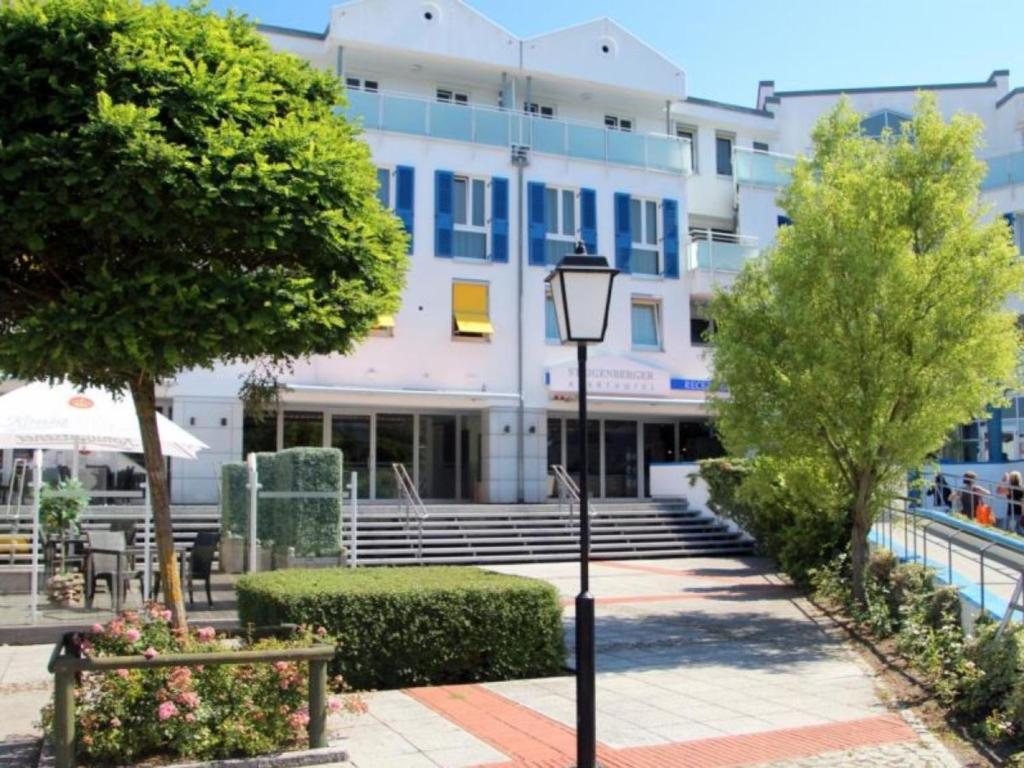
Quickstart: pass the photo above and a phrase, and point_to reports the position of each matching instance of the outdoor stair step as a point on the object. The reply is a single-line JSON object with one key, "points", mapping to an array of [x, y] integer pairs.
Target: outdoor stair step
{"points": [[556, 557]]}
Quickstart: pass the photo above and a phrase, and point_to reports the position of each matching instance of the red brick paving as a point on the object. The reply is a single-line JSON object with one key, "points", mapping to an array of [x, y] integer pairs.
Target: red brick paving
{"points": [[533, 740]]}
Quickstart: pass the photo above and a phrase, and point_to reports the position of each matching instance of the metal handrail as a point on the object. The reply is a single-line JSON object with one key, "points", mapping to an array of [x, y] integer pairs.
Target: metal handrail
{"points": [[568, 491], [412, 503]]}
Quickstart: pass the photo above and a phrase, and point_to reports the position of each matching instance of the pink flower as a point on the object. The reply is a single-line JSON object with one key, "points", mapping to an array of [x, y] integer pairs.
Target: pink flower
{"points": [[115, 723], [132, 635], [122, 673], [299, 719], [165, 615], [189, 699], [166, 711], [334, 704], [96, 629], [180, 677], [189, 717], [321, 631], [206, 634], [150, 653]]}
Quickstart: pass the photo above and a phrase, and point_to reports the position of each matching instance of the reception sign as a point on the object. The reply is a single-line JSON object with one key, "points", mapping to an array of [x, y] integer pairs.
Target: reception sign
{"points": [[610, 376]]}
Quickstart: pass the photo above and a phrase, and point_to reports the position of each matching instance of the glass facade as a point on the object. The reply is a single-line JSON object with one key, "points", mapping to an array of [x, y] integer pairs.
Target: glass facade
{"points": [[351, 435], [303, 429]]}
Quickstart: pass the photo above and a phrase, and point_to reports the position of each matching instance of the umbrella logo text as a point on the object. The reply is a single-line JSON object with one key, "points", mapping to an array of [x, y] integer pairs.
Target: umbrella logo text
{"points": [[80, 402]]}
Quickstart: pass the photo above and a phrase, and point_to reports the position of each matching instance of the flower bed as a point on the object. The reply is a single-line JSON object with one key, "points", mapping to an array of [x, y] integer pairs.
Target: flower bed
{"points": [[146, 690]]}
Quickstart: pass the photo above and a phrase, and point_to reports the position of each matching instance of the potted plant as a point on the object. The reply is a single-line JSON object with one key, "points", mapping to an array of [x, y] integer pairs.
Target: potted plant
{"points": [[60, 510]]}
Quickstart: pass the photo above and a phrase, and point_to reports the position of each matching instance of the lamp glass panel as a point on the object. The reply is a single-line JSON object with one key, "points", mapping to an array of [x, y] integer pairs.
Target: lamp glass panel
{"points": [[586, 296]]}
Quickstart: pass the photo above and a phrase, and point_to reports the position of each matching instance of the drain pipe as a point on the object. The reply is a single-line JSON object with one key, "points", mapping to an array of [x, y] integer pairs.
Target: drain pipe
{"points": [[520, 158]]}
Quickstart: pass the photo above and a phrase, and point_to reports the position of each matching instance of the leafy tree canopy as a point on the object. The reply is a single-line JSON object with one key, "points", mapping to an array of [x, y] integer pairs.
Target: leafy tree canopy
{"points": [[879, 321]]}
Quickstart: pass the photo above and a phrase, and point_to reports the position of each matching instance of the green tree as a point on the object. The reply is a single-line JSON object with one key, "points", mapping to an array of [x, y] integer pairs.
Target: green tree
{"points": [[174, 194], [879, 321]]}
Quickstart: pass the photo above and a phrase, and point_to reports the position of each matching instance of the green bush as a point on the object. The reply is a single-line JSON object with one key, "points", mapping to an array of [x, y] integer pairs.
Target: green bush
{"points": [[793, 512], [417, 626], [311, 526]]}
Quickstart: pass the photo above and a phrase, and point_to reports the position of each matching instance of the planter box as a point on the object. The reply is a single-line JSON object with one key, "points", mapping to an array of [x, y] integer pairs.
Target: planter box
{"points": [[232, 554]]}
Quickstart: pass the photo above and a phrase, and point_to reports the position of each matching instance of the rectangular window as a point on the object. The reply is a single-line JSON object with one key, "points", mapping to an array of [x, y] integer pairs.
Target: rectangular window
{"points": [[1017, 229], [723, 154], [303, 429], [646, 249], [471, 316], [561, 212], [449, 96], [550, 320], [544, 110], [700, 322], [646, 324], [385, 326], [616, 123], [689, 133], [361, 84], [469, 208], [385, 187], [760, 146]]}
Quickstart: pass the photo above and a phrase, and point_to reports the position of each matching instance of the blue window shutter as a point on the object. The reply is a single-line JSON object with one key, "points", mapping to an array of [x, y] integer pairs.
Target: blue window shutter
{"points": [[443, 219], [588, 219], [405, 198], [783, 221], [623, 232], [670, 213], [535, 221], [499, 220]]}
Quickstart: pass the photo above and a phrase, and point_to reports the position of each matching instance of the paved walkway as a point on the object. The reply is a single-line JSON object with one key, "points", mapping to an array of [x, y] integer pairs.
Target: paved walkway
{"points": [[701, 663]]}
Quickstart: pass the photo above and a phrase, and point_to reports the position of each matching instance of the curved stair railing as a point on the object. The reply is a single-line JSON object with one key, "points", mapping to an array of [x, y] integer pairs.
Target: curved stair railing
{"points": [[568, 491], [411, 502]]}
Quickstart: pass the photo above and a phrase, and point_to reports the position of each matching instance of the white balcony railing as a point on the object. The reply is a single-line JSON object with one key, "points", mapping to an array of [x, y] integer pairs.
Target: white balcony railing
{"points": [[477, 124], [711, 251], [761, 169]]}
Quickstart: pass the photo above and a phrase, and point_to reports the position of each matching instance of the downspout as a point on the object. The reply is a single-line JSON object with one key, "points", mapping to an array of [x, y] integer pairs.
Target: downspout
{"points": [[520, 159]]}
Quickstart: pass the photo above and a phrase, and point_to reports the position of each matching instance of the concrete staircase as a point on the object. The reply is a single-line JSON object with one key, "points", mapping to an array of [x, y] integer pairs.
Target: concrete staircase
{"points": [[541, 532]]}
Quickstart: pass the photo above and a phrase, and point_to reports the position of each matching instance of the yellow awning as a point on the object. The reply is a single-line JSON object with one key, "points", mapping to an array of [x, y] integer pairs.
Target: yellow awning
{"points": [[470, 308], [386, 321], [473, 322]]}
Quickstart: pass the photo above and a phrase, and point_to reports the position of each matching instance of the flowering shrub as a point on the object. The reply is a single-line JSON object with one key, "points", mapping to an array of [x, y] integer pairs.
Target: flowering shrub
{"points": [[199, 712]]}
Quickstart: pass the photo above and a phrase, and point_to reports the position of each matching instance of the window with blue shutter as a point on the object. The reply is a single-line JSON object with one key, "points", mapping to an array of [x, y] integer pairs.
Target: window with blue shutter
{"points": [[588, 219], [443, 220], [536, 222], [405, 198], [623, 232], [783, 221], [670, 214], [499, 220]]}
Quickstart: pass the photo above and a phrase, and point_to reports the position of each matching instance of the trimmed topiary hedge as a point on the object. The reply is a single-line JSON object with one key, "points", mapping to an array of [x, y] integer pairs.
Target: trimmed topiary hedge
{"points": [[417, 626]]}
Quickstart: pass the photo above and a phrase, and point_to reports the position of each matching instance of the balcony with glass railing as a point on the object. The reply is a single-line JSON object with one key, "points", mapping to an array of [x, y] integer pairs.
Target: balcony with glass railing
{"points": [[477, 124], [1004, 170], [710, 251], [761, 169]]}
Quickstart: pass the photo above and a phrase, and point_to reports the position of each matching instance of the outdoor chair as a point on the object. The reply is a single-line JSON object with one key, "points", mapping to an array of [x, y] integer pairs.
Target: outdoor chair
{"points": [[108, 560], [201, 562]]}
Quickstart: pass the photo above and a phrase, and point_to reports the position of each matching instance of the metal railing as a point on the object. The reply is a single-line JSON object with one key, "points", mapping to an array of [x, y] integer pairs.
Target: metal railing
{"points": [[20, 473], [568, 491], [491, 126], [412, 503], [985, 563], [711, 251]]}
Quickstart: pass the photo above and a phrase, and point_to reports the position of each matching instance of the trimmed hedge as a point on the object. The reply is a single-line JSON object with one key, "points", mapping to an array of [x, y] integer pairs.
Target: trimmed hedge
{"points": [[311, 526], [418, 625]]}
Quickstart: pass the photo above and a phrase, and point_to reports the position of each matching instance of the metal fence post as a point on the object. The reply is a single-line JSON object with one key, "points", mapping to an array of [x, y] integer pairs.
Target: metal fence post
{"points": [[147, 515], [354, 491], [64, 719], [254, 499], [317, 704]]}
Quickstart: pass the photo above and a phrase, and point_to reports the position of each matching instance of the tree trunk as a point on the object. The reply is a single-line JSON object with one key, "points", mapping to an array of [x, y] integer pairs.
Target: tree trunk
{"points": [[144, 394], [861, 524]]}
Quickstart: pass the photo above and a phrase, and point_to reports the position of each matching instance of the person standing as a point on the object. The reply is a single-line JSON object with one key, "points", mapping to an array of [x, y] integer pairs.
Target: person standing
{"points": [[1014, 502], [1001, 503], [970, 494], [941, 491]]}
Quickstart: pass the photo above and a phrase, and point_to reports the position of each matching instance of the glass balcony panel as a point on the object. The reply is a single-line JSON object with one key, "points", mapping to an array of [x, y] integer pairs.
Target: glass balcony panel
{"points": [[587, 141], [404, 115], [548, 136], [667, 154], [450, 121], [1004, 171], [626, 148], [720, 257], [644, 262], [556, 250], [761, 169], [491, 127], [364, 107]]}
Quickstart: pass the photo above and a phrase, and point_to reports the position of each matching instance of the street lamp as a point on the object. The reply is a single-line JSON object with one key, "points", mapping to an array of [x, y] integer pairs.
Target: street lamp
{"points": [[581, 287]]}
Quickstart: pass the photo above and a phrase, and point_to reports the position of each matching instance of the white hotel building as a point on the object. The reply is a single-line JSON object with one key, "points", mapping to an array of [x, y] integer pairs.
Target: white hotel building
{"points": [[498, 153]]}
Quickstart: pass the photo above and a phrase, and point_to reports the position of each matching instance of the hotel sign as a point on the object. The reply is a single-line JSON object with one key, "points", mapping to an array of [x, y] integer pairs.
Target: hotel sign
{"points": [[610, 376]]}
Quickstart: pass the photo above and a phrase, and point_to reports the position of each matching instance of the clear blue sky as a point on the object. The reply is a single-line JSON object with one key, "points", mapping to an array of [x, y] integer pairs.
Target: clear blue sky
{"points": [[727, 46]]}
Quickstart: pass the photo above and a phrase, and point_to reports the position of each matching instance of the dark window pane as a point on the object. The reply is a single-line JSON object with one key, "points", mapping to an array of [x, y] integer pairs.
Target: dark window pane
{"points": [[259, 435], [573, 458], [351, 435], [303, 429], [620, 463], [723, 155], [394, 445]]}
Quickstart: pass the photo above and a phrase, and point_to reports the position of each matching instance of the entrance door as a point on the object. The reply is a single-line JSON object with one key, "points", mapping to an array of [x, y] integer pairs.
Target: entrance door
{"points": [[394, 445], [351, 435], [573, 460], [620, 459], [437, 457], [659, 446]]}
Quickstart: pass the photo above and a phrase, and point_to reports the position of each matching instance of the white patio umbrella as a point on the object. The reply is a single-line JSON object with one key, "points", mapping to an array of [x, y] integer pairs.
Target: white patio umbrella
{"points": [[64, 417]]}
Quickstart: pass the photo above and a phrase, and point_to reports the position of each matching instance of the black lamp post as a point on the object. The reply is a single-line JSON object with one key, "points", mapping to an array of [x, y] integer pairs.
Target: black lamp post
{"points": [[581, 287]]}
